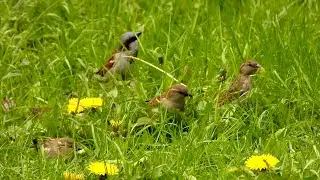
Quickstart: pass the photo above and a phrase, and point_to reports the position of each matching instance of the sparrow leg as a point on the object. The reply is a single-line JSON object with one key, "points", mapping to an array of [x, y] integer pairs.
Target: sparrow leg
{"points": [[123, 76], [35, 142]]}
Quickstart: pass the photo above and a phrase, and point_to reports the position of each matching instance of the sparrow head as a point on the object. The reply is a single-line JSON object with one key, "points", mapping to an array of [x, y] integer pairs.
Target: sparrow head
{"points": [[128, 40], [250, 67], [175, 97], [178, 91]]}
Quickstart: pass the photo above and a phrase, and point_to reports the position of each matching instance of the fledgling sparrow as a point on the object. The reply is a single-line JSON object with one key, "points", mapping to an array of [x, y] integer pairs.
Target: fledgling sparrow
{"points": [[174, 98], [242, 83], [56, 147], [8, 104], [118, 62]]}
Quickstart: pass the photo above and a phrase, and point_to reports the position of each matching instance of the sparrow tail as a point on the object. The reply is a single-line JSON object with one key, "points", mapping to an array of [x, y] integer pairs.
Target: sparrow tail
{"points": [[36, 144], [101, 71]]}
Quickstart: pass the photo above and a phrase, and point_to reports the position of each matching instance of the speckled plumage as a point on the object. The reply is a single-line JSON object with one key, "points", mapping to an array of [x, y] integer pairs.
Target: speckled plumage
{"points": [[117, 62], [242, 83], [55, 147], [174, 98]]}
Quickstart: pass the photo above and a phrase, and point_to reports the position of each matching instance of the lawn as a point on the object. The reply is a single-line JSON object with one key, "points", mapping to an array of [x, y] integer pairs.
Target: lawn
{"points": [[50, 50]]}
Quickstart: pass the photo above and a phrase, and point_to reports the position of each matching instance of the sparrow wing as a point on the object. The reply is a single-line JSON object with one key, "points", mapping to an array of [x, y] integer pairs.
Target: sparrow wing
{"points": [[109, 64], [232, 92], [157, 100], [241, 85], [57, 146], [235, 85], [154, 101], [65, 142], [50, 147]]}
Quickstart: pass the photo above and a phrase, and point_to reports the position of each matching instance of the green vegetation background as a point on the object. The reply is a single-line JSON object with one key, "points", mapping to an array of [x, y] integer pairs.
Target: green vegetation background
{"points": [[49, 50]]}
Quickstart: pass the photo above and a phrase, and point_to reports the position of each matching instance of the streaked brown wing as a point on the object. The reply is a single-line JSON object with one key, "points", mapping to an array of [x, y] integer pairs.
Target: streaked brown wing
{"points": [[157, 100], [235, 85], [154, 101], [110, 62], [57, 146], [231, 93]]}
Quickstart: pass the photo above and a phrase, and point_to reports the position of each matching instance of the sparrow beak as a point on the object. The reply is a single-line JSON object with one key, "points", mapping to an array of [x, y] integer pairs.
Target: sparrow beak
{"points": [[258, 66], [261, 70], [138, 34], [78, 148]]}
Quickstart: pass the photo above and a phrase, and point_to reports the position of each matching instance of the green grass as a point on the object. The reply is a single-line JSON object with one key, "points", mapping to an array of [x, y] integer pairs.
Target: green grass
{"points": [[49, 50]]}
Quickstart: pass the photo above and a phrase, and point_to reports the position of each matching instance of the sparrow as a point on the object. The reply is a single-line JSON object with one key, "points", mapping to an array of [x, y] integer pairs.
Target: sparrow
{"points": [[118, 62], [8, 104], [56, 147], [40, 111], [242, 83], [174, 98]]}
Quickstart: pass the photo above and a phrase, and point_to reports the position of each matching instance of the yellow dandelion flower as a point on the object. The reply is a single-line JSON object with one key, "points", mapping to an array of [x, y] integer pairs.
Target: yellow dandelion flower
{"points": [[97, 168], [74, 106], [270, 160], [72, 176], [91, 102], [101, 168], [73, 101], [262, 162], [256, 163], [112, 169], [115, 124]]}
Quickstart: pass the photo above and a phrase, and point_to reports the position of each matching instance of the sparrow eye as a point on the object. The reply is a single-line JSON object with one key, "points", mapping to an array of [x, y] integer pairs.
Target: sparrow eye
{"points": [[183, 93], [180, 92], [252, 65]]}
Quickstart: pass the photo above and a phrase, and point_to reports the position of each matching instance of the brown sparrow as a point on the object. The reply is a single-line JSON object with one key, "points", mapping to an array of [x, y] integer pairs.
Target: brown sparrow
{"points": [[118, 62], [242, 83], [174, 98], [8, 104], [56, 147], [40, 111]]}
